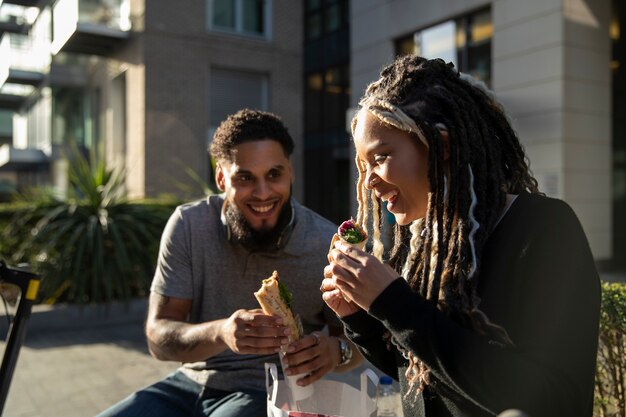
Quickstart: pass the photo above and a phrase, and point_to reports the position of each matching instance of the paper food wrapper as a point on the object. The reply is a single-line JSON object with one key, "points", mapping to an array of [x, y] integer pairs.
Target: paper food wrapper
{"points": [[296, 392], [330, 399]]}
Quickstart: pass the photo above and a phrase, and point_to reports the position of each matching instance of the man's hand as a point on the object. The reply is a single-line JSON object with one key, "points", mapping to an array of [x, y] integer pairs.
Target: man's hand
{"points": [[314, 355], [172, 338], [253, 332]]}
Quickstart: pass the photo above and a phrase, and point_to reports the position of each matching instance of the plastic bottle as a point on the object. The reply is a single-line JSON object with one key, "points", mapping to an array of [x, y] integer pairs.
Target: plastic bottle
{"points": [[387, 399]]}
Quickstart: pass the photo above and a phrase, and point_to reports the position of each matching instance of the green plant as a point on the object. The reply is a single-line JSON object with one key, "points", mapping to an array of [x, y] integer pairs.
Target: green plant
{"points": [[195, 187], [610, 392], [94, 245]]}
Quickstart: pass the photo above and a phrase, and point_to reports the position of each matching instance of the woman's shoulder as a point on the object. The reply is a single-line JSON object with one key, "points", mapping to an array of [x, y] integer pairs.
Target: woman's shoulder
{"points": [[538, 213], [546, 206]]}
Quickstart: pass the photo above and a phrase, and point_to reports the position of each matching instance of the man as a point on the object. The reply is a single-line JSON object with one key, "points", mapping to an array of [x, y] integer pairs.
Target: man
{"points": [[214, 254]]}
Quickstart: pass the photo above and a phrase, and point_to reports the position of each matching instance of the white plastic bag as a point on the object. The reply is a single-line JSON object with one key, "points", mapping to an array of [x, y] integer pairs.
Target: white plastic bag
{"points": [[330, 398]]}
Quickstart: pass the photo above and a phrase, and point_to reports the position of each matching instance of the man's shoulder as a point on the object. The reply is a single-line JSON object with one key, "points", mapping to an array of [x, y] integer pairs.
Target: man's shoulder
{"points": [[201, 207], [312, 233]]}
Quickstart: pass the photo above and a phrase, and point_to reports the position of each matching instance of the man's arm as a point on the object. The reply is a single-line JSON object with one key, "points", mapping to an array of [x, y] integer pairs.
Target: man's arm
{"points": [[171, 337]]}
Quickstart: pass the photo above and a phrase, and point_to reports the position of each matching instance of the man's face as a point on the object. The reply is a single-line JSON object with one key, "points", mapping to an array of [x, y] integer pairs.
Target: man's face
{"points": [[257, 182]]}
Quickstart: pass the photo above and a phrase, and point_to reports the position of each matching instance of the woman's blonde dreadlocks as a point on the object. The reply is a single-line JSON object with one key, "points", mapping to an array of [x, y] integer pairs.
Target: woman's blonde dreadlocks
{"points": [[439, 255]]}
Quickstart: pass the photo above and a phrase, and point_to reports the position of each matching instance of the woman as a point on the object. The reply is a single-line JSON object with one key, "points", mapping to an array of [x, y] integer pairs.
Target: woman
{"points": [[489, 298]]}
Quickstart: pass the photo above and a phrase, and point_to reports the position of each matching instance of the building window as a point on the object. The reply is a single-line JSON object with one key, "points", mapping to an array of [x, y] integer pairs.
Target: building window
{"points": [[465, 41], [324, 17], [69, 121], [327, 158], [327, 99], [243, 17]]}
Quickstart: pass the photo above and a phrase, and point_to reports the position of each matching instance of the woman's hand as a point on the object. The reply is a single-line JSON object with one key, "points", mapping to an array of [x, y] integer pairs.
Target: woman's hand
{"points": [[333, 296], [358, 275]]}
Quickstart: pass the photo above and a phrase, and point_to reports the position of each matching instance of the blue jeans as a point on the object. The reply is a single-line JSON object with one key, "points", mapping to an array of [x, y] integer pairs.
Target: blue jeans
{"points": [[177, 395]]}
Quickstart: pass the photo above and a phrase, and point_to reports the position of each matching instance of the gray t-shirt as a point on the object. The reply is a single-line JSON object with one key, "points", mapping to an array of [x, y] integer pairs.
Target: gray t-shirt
{"points": [[198, 261]]}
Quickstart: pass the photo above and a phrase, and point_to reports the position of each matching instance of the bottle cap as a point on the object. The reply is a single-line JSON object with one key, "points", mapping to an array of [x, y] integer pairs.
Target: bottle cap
{"points": [[385, 380]]}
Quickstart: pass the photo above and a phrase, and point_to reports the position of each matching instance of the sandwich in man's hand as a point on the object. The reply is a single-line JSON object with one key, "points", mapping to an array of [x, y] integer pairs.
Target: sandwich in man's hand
{"points": [[275, 300]]}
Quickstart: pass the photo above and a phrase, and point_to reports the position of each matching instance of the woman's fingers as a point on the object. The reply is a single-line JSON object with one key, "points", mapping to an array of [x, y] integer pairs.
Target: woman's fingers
{"points": [[342, 276]]}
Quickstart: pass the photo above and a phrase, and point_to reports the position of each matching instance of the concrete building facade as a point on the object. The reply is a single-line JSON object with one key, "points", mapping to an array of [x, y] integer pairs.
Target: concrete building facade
{"points": [[150, 81], [172, 61], [146, 83], [551, 67]]}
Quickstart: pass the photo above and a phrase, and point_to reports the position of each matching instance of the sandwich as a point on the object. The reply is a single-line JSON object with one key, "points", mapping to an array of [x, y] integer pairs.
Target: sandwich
{"points": [[275, 300], [352, 233]]}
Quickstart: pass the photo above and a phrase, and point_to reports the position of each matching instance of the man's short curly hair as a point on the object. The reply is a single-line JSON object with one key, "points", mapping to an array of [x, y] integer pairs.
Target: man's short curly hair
{"points": [[248, 126]]}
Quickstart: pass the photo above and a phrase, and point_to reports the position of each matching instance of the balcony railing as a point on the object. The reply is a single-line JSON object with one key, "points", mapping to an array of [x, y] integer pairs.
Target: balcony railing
{"points": [[89, 26], [24, 53], [16, 19], [13, 96], [25, 3], [19, 15]]}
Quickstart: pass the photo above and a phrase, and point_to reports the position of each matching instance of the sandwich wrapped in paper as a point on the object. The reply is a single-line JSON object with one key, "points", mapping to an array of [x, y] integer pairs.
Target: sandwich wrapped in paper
{"points": [[352, 233], [275, 300]]}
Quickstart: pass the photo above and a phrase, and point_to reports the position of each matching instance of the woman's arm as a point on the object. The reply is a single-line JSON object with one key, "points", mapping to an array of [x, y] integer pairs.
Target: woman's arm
{"points": [[367, 334], [550, 369]]}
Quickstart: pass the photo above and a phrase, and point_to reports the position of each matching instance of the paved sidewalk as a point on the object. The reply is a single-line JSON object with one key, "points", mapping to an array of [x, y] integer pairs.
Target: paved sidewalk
{"points": [[77, 362]]}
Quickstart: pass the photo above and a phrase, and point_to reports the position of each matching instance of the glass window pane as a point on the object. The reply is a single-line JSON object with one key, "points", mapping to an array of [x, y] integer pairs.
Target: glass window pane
{"points": [[69, 116], [6, 124], [333, 80], [313, 104], [335, 99], [438, 42], [252, 15], [314, 26], [313, 4], [479, 62], [406, 46], [461, 34], [224, 13], [314, 82], [333, 18], [481, 27]]}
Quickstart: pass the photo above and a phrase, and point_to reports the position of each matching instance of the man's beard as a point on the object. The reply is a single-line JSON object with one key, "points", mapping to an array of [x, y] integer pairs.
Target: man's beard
{"points": [[257, 240]]}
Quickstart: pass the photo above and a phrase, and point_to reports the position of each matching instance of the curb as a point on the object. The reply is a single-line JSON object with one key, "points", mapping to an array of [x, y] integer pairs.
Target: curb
{"points": [[60, 317]]}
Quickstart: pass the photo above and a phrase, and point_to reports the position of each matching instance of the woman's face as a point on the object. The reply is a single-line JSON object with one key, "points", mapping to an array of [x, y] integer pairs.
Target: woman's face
{"points": [[395, 166]]}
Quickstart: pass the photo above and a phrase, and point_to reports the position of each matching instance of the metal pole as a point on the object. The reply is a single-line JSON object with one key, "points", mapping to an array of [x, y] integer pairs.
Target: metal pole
{"points": [[29, 285], [14, 343]]}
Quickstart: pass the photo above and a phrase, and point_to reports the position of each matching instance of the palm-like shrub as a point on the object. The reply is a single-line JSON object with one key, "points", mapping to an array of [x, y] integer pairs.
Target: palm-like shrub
{"points": [[94, 245]]}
